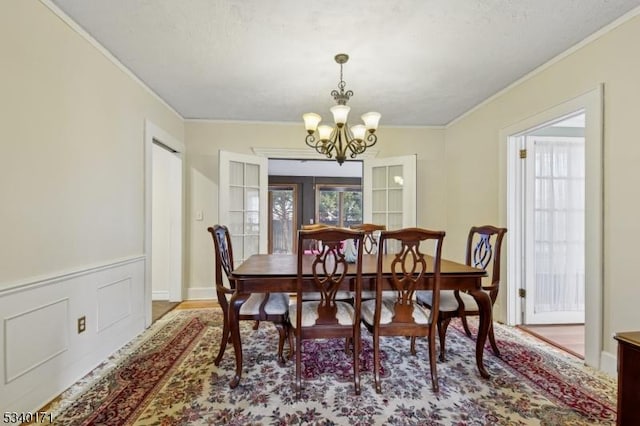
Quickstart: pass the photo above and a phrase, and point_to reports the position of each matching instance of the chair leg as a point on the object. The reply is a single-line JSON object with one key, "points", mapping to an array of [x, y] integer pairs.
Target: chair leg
{"points": [[432, 363], [290, 336], [413, 345], [226, 336], [282, 332], [256, 325], [376, 362], [298, 366], [356, 364], [492, 340], [463, 317], [442, 334]]}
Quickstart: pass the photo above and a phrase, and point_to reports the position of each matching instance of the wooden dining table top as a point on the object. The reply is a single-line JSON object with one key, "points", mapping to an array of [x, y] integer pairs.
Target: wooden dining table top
{"points": [[286, 265]]}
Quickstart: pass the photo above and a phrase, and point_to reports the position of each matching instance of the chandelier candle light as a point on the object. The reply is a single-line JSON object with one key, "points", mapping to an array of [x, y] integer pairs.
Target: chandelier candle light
{"points": [[341, 140]]}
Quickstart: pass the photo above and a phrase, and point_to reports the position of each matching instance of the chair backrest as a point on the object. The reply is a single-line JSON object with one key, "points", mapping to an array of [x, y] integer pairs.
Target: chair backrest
{"points": [[312, 246], [224, 253], [370, 236], [484, 245], [329, 268], [408, 267]]}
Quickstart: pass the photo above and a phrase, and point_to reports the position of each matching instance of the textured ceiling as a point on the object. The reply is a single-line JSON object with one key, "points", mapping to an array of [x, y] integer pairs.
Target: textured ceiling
{"points": [[417, 62]]}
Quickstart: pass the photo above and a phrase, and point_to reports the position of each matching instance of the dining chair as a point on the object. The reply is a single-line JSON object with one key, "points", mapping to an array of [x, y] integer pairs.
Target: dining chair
{"points": [[273, 307], [483, 249], [328, 317], [370, 246], [313, 246], [396, 313], [371, 235]]}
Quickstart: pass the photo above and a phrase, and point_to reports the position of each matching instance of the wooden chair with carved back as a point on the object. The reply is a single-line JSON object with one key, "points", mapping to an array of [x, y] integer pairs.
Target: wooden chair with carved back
{"points": [[258, 307], [327, 316], [395, 312], [370, 246], [484, 244], [371, 236]]}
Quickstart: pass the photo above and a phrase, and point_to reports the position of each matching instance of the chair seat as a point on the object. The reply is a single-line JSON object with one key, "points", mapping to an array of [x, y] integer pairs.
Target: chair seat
{"points": [[448, 302], [340, 295], [277, 304], [420, 314], [345, 313]]}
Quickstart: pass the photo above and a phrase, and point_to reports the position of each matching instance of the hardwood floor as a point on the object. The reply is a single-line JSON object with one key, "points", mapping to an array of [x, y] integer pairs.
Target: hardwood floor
{"points": [[569, 338], [161, 307], [197, 304]]}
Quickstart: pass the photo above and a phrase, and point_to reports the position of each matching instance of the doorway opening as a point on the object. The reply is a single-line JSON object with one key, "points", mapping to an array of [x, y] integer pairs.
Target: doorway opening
{"points": [[163, 236], [551, 193], [311, 191], [554, 213]]}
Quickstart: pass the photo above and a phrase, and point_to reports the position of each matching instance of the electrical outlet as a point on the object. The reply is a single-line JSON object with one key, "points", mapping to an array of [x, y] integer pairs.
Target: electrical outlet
{"points": [[82, 324]]}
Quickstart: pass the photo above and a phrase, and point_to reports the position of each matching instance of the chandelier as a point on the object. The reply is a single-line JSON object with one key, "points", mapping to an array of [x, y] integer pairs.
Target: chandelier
{"points": [[341, 140]]}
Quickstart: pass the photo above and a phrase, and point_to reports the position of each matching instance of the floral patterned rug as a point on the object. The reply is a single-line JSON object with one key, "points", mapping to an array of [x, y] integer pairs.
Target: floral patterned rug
{"points": [[166, 376]]}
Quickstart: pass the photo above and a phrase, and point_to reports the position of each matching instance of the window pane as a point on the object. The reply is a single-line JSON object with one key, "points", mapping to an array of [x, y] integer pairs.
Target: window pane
{"points": [[328, 208], [253, 175], [351, 208], [396, 178], [282, 229], [236, 172], [379, 201], [379, 177]]}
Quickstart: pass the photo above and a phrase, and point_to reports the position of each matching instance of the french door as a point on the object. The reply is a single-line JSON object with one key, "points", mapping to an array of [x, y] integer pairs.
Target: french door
{"points": [[555, 227], [389, 191], [242, 202]]}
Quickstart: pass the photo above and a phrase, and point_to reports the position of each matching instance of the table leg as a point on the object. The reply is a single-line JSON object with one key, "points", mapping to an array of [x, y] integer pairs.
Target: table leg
{"points": [[235, 303], [484, 306]]}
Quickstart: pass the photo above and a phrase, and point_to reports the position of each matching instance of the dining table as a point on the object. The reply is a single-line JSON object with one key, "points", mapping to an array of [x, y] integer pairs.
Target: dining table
{"points": [[278, 273]]}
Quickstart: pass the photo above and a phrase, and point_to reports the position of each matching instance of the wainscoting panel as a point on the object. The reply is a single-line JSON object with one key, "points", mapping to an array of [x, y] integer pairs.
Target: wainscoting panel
{"points": [[46, 338], [114, 303], [43, 352]]}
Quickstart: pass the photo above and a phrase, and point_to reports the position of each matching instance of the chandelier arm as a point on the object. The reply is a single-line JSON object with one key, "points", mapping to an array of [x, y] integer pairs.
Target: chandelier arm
{"points": [[316, 144], [371, 140]]}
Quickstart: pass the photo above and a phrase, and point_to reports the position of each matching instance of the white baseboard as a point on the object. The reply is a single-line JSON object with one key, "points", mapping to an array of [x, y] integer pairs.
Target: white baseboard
{"points": [[160, 295], [609, 363], [39, 336], [201, 293]]}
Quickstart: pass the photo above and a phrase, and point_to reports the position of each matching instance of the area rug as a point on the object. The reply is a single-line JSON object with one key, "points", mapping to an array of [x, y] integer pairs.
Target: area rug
{"points": [[166, 376]]}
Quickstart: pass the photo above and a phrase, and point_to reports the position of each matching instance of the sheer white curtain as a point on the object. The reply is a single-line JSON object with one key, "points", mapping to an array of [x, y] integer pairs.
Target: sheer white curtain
{"points": [[559, 223]]}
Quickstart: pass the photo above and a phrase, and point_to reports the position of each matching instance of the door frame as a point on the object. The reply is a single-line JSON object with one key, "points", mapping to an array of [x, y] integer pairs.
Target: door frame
{"points": [[591, 103], [152, 133]]}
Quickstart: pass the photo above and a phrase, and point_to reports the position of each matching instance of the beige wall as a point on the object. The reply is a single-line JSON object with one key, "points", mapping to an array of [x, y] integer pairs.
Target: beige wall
{"points": [[205, 138], [72, 158], [472, 147]]}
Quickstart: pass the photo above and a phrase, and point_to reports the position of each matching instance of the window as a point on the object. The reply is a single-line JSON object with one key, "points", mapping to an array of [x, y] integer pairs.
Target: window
{"points": [[339, 205], [282, 220]]}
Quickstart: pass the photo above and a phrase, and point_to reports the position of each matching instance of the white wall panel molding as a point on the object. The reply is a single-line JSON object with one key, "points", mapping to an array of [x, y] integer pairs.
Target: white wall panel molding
{"points": [[39, 333], [114, 303], [66, 275], [48, 337]]}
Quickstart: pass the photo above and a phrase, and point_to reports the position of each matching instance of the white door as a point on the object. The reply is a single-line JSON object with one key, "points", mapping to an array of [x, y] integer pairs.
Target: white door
{"points": [[166, 224], [242, 202], [389, 191], [555, 223]]}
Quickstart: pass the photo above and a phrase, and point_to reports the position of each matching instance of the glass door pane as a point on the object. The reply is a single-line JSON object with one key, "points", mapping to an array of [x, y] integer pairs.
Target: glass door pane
{"points": [[282, 224], [242, 202]]}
